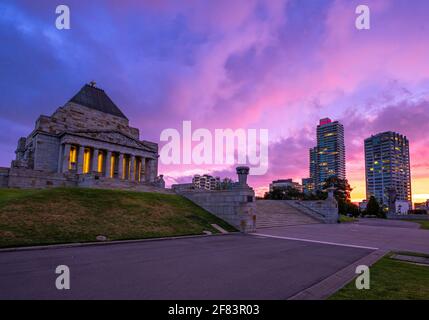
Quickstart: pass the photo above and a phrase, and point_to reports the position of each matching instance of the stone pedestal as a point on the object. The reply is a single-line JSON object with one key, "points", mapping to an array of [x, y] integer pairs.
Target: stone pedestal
{"points": [[330, 207], [242, 173], [391, 192]]}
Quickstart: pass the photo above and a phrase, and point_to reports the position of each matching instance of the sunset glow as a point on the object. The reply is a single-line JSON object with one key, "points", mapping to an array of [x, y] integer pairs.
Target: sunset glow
{"points": [[279, 65]]}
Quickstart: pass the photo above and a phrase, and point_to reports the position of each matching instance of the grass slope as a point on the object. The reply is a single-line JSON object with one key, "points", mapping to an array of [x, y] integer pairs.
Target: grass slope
{"points": [[424, 224], [390, 280], [63, 215], [346, 219]]}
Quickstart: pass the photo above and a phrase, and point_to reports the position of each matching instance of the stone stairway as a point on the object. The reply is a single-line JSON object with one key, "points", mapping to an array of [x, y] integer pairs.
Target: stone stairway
{"points": [[277, 213]]}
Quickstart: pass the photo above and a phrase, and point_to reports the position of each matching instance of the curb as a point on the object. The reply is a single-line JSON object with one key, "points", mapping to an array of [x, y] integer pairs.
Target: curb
{"points": [[114, 242], [327, 287]]}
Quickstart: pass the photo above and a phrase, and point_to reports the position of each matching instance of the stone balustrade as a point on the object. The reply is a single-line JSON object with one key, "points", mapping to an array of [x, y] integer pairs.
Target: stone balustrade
{"points": [[236, 206], [323, 210]]}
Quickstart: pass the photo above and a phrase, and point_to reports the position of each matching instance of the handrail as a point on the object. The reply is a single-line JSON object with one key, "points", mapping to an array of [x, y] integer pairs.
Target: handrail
{"points": [[309, 211]]}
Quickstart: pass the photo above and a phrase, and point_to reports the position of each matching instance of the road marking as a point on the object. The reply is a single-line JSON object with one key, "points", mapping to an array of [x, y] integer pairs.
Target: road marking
{"points": [[314, 241]]}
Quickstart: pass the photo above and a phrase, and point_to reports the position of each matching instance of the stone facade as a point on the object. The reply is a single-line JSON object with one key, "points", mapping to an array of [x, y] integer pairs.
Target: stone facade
{"points": [[87, 139], [236, 205], [4, 177]]}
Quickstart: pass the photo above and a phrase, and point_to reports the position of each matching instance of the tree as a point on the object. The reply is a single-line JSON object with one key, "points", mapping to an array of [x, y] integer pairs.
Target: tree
{"points": [[342, 195], [317, 195], [373, 208], [342, 188], [226, 184], [349, 208], [284, 193]]}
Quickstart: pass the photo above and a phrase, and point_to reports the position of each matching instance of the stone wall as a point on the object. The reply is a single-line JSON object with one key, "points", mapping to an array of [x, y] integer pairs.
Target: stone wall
{"points": [[27, 179], [4, 177], [24, 178], [97, 181], [236, 206], [183, 187], [46, 152]]}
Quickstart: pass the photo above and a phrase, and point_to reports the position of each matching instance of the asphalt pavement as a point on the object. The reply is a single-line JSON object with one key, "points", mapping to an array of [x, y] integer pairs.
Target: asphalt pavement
{"points": [[231, 266]]}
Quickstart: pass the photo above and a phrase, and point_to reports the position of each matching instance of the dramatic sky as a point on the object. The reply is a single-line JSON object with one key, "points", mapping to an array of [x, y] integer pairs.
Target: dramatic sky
{"points": [[279, 65]]}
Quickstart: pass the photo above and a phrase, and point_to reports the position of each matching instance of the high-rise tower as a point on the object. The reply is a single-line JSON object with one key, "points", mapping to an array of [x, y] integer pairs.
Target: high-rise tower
{"points": [[328, 158], [387, 166]]}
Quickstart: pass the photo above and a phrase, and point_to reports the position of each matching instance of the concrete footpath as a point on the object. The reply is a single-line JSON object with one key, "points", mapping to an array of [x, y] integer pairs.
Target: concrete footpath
{"points": [[380, 236], [375, 233]]}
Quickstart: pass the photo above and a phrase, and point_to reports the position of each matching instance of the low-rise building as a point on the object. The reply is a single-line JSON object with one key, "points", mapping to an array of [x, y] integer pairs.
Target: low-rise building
{"points": [[422, 206], [285, 183], [206, 182]]}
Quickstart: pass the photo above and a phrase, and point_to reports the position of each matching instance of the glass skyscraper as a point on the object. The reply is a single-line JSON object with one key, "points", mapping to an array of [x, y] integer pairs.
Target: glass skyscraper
{"points": [[387, 166], [328, 158]]}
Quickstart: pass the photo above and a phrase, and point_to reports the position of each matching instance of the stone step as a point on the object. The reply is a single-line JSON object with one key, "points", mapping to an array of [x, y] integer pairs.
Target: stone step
{"points": [[273, 213]]}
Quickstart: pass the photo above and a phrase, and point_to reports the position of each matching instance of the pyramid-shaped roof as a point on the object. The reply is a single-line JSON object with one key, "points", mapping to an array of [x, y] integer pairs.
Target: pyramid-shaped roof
{"points": [[95, 98]]}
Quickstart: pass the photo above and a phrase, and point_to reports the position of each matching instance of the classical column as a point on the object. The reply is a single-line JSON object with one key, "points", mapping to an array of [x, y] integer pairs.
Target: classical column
{"points": [[66, 158], [60, 159], [108, 163], [132, 176], [80, 160], [145, 164], [139, 169], [151, 170], [155, 168], [142, 168], [121, 166], [95, 160]]}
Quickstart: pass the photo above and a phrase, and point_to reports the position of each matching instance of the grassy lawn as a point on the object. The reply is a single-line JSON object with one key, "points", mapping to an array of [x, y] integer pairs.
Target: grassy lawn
{"points": [[390, 280], [64, 215], [424, 224], [346, 219]]}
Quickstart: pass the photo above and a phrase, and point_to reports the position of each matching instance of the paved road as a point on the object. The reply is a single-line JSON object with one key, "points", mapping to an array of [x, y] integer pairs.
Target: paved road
{"points": [[388, 223], [382, 234], [223, 267]]}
